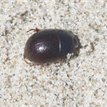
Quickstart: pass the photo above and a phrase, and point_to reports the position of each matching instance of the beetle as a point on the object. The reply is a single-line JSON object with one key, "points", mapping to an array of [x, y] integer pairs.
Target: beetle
{"points": [[50, 45]]}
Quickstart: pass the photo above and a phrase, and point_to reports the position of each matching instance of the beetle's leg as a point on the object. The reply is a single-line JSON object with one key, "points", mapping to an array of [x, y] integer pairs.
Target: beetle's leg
{"points": [[31, 30], [61, 62], [37, 30], [31, 64]]}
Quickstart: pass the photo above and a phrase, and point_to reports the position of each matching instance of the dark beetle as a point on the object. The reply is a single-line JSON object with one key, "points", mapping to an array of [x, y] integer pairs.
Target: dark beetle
{"points": [[50, 45]]}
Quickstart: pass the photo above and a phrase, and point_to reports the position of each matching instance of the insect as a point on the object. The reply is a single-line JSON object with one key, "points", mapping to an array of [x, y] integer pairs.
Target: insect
{"points": [[50, 45]]}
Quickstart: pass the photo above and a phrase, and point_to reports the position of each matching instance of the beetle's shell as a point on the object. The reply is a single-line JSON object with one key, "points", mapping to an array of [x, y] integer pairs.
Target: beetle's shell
{"points": [[50, 45]]}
